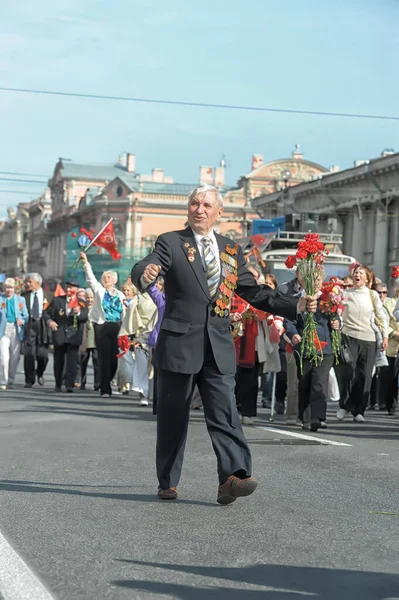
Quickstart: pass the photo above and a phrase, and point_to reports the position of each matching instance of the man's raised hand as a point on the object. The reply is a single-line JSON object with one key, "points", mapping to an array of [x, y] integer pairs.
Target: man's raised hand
{"points": [[307, 304], [150, 274]]}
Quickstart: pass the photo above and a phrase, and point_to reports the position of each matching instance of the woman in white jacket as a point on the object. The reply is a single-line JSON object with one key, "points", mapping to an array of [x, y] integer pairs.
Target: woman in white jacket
{"points": [[362, 313], [107, 314]]}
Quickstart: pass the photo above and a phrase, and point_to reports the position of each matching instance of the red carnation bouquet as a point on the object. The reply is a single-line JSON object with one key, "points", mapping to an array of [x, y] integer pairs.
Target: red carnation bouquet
{"points": [[332, 303], [309, 259], [395, 272]]}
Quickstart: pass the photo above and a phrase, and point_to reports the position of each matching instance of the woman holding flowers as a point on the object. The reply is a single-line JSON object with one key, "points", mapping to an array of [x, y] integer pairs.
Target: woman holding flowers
{"points": [[313, 375]]}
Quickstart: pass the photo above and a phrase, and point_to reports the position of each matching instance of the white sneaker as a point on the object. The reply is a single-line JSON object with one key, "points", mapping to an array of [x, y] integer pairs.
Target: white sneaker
{"points": [[3, 387], [143, 402], [341, 414], [247, 421], [359, 419]]}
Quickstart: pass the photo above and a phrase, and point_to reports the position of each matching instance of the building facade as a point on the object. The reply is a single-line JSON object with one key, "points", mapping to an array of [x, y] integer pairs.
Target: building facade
{"points": [[14, 241], [142, 207], [361, 203]]}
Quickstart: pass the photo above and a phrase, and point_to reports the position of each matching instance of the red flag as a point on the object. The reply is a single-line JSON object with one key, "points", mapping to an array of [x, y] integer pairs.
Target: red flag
{"points": [[59, 291], [107, 240]]}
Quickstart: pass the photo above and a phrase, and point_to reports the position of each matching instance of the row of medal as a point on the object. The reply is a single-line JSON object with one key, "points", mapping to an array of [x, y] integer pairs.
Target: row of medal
{"points": [[228, 285]]}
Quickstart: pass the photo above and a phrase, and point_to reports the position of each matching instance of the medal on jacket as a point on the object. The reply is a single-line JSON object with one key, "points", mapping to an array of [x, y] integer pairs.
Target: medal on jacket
{"points": [[229, 282], [190, 252]]}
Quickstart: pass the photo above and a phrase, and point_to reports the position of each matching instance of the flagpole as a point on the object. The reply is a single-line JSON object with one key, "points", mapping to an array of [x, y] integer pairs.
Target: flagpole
{"points": [[94, 239]]}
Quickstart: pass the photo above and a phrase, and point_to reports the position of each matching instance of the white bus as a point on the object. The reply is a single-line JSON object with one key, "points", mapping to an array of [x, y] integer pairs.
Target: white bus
{"points": [[335, 265]]}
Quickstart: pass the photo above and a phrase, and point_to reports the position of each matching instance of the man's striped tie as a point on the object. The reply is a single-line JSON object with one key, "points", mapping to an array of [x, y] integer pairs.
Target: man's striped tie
{"points": [[212, 267]]}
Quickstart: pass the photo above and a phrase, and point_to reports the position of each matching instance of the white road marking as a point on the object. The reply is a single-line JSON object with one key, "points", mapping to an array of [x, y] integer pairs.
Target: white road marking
{"points": [[303, 436], [17, 581]]}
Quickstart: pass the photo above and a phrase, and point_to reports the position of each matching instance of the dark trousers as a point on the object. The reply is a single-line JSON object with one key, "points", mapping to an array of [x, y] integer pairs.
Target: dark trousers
{"points": [[36, 354], [221, 417], [313, 387], [388, 388], [356, 378], [107, 348], [66, 355], [247, 390], [281, 378], [84, 361]]}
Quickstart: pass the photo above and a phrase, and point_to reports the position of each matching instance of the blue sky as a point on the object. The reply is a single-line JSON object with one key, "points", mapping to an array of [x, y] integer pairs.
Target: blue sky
{"points": [[325, 55]]}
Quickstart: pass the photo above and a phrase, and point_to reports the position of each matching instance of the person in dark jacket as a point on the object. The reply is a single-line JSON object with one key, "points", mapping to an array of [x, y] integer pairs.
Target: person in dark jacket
{"points": [[65, 316], [36, 338], [201, 270], [313, 379]]}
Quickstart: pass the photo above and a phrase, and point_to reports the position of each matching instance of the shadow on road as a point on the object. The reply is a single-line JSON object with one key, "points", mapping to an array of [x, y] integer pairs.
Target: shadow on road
{"points": [[109, 412], [281, 582], [34, 487]]}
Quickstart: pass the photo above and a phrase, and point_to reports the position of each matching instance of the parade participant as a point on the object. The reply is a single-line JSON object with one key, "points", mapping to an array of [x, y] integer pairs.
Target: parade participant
{"points": [[130, 291], [13, 318], [88, 346], [287, 378], [65, 316], [157, 293], [363, 311], [388, 388], [313, 378], [202, 270], [107, 314], [36, 339], [139, 322]]}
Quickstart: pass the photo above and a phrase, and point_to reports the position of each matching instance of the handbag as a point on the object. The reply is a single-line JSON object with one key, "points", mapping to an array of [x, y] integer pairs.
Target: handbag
{"points": [[381, 358], [345, 353]]}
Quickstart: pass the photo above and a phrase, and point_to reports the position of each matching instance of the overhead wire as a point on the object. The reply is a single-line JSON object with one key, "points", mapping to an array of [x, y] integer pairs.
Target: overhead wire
{"points": [[199, 104]]}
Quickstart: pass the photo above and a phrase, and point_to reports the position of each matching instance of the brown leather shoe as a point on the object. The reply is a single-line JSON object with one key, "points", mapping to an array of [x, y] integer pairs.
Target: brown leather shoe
{"points": [[234, 487], [170, 494]]}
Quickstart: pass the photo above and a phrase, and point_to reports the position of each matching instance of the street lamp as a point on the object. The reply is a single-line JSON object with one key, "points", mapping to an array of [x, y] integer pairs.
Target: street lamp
{"points": [[286, 176]]}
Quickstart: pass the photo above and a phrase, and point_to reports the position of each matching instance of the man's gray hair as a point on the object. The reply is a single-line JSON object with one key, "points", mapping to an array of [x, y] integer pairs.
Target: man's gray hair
{"points": [[202, 188], [36, 277]]}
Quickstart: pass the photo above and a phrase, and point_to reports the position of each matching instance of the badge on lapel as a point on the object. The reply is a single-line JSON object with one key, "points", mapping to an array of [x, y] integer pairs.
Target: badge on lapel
{"points": [[190, 252], [61, 312]]}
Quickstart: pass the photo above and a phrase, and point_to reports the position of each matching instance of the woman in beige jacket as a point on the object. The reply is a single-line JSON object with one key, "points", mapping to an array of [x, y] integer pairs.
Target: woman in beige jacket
{"points": [[362, 313]]}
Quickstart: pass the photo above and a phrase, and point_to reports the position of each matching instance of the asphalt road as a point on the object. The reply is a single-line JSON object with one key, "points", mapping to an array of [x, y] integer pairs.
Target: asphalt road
{"points": [[78, 505]]}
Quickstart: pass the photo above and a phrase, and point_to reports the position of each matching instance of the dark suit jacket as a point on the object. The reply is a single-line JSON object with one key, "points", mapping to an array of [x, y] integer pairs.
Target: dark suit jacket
{"points": [[70, 330], [44, 333], [189, 313]]}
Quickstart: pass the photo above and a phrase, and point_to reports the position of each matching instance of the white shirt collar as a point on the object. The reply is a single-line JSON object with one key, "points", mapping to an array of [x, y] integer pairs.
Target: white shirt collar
{"points": [[211, 236]]}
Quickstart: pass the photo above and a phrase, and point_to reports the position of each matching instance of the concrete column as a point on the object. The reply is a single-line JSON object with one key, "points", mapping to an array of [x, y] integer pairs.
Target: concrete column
{"points": [[358, 237], [380, 262], [128, 233], [137, 232]]}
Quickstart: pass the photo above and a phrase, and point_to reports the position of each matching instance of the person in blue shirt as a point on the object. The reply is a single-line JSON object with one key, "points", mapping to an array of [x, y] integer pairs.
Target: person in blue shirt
{"points": [[13, 318]]}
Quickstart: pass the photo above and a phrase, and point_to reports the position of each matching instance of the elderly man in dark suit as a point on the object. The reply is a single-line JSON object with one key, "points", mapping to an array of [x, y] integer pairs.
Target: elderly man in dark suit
{"points": [[202, 270], [65, 316], [36, 338]]}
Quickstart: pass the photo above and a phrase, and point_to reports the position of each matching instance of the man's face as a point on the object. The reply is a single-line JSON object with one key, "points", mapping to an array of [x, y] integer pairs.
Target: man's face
{"points": [[382, 292], [71, 290], [32, 285], [203, 212]]}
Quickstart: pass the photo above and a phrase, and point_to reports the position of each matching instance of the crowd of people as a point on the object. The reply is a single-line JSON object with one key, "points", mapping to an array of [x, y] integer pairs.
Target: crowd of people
{"points": [[118, 331], [167, 334]]}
